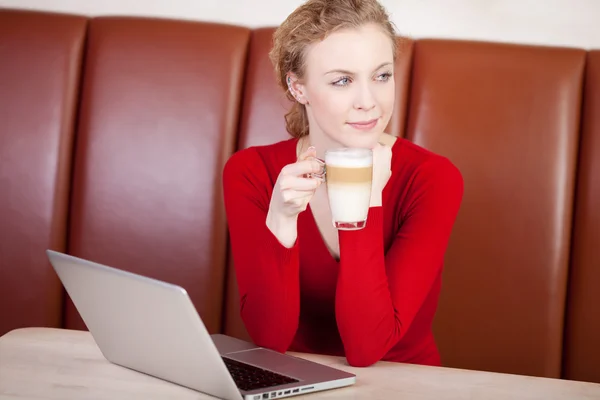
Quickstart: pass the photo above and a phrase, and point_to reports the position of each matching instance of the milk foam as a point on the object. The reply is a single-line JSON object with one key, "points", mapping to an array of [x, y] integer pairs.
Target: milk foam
{"points": [[349, 158], [349, 202]]}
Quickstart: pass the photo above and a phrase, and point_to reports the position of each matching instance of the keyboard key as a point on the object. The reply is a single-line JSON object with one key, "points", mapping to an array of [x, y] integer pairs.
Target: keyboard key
{"points": [[249, 377]]}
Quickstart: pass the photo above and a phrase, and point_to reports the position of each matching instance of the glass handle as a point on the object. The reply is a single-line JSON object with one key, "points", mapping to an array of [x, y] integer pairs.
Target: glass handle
{"points": [[322, 175]]}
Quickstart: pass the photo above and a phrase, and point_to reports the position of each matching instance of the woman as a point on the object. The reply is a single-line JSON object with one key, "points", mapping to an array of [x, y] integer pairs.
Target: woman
{"points": [[368, 294]]}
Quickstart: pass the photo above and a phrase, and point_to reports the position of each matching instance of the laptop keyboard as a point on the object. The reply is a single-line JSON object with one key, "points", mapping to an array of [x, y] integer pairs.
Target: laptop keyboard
{"points": [[249, 377]]}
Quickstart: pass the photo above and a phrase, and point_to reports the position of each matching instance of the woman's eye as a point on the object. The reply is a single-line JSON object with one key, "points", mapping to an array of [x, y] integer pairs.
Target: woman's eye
{"points": [[384, 77], [342, 82], [345, 81]]}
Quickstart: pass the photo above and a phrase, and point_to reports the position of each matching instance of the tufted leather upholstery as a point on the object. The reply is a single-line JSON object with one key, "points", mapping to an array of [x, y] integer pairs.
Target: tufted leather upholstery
{"points": [[582, 344], [158, 120], [40, 67], [513, 132], [157, 107]]}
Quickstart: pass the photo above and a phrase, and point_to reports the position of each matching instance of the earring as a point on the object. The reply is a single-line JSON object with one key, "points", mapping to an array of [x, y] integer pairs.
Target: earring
{"points": [[289, 83], [293, 92]]}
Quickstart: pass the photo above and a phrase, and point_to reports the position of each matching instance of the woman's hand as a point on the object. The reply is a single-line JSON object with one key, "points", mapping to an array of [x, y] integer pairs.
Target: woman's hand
{"points": [[291, 194], [382, 171]]}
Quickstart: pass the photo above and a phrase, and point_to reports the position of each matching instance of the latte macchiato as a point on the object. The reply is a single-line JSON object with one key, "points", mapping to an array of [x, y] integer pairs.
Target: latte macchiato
{"points": [[349, 176]]}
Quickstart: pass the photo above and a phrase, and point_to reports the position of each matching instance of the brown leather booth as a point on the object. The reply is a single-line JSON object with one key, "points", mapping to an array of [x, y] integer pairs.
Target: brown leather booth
{"points": [[114, 132]]}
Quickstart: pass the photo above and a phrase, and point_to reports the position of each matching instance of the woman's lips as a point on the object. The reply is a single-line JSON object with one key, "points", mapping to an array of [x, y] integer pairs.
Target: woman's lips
{"points": [[364, 125]]}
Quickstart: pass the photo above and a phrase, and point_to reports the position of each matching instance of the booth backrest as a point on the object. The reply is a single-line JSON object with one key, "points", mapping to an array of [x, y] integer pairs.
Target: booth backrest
{"points": [[40, 68], [582, 344], [115, 131], [159, 114], [508, 116]]}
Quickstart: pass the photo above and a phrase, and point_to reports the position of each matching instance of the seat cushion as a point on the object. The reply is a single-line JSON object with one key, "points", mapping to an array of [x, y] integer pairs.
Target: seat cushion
{"points": [[508, 117], [40, 65], [159, 119]]}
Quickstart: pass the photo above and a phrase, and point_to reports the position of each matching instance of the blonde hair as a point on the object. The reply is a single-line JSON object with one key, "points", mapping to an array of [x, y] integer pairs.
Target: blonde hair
{"points": [[309, 23]]}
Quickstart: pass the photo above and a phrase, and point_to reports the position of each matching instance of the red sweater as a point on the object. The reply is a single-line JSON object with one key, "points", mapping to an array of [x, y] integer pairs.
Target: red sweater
{"points": [[379, 300]]}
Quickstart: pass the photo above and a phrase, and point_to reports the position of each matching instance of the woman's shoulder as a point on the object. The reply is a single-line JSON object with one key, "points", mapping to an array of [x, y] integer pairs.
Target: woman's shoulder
{"points": [[422, 168], [411, 156]]}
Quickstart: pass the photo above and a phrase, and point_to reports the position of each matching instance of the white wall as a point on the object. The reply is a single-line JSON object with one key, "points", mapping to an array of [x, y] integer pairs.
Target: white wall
{"points": [[554, 22]]}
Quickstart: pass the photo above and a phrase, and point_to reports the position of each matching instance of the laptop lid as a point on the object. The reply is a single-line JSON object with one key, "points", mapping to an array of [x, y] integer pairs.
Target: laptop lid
{"points": [[145, 325]]}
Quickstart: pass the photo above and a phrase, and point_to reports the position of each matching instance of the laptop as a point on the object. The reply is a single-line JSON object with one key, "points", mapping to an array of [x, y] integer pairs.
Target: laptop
{"points": [[153, 327]]}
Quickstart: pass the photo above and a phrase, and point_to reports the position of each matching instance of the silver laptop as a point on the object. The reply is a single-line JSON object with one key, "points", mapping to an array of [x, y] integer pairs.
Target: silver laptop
{"points": [[152, 327]]}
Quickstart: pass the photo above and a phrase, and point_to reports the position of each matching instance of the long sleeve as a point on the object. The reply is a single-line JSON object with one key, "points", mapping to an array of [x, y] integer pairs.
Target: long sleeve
{"points": [[267, 272], [378, 295]]}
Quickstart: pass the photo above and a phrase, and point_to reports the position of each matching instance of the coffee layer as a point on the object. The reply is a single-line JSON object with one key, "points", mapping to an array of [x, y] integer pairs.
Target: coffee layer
{"points": [[349, 175]]}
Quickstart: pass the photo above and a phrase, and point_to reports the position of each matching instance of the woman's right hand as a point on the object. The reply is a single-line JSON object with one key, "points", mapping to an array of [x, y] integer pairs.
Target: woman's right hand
{"points": [[291, 194]]}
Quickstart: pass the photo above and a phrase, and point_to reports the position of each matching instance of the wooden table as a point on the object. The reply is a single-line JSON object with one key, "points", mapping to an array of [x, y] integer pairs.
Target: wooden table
{"points": [[42, 363]]}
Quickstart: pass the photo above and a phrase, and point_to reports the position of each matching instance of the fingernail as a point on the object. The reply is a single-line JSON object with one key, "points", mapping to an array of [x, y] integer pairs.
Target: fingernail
{"points": [[311, 148]]}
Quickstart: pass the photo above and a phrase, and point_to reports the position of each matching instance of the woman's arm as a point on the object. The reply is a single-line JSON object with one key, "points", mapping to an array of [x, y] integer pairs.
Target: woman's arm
{"points": [[267, 272], [379, 295]]}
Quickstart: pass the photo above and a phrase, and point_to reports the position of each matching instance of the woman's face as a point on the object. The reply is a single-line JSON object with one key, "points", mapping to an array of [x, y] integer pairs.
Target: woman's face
{"points": [[349, 86]]}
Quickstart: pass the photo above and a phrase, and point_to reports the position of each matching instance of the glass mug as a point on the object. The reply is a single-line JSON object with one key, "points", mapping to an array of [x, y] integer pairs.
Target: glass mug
{"points": [[348, 176]]}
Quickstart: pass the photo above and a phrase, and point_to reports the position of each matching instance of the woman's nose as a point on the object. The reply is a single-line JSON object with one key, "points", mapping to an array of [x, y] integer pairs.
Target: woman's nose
{"points": [[364, 98]]}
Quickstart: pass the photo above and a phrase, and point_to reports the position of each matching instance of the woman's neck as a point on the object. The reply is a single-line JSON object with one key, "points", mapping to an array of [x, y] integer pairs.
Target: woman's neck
{"points": [[321, 144]]}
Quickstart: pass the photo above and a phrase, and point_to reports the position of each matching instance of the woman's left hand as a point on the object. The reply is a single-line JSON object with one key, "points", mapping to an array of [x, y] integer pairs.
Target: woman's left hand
{"points": [[382, 171]]}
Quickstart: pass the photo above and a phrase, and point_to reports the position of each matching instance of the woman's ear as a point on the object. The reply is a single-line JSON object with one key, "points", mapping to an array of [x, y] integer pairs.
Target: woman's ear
{"points": [[296, 88]]}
